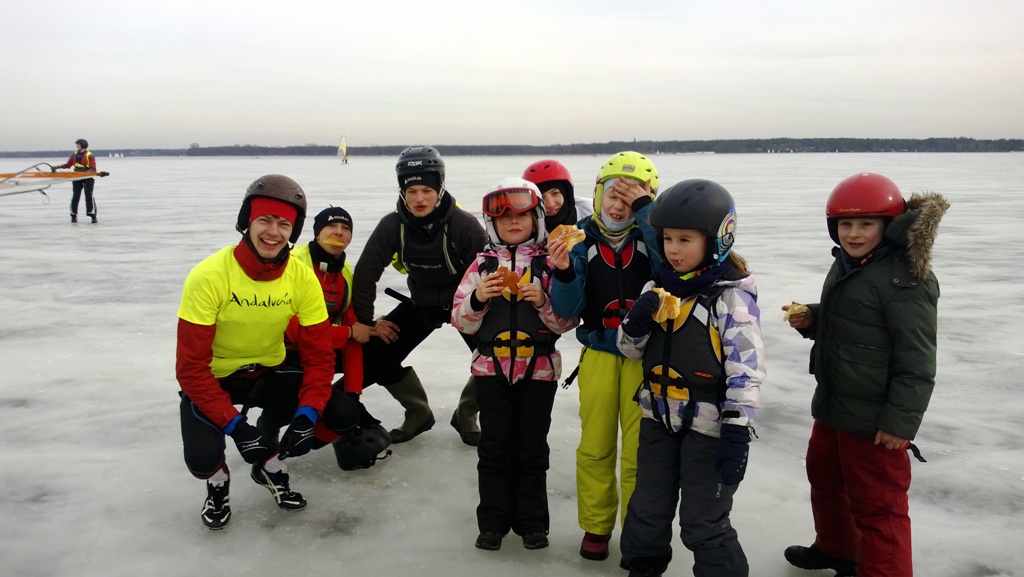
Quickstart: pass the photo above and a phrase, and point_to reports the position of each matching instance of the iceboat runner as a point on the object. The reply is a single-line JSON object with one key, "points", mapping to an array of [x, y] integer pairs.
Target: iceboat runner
{"points": [[38, 178]]}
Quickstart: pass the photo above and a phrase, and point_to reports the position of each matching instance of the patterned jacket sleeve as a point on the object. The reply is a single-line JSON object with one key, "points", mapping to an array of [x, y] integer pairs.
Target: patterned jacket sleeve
{"points": [[739, 324], [464, 318]]}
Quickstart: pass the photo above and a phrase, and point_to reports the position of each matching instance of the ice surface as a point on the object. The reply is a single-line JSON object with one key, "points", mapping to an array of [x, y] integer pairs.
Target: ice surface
{"points": [[93, 479]]}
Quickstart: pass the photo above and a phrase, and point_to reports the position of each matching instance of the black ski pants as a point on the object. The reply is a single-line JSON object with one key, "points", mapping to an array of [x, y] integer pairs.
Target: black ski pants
{"points": [[513, 454], [670, 466], [76, 193], [382, 362], [276, 392]]}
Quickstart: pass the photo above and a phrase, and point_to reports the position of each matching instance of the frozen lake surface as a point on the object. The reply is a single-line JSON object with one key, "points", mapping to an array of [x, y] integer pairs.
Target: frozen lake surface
{"points": [[93, 479]]}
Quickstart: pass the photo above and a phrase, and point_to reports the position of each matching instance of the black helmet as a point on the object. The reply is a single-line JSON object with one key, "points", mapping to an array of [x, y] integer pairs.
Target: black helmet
{"points": [[277, 187], [361, 448], [417, 160], [700, 205], [82, 142]]}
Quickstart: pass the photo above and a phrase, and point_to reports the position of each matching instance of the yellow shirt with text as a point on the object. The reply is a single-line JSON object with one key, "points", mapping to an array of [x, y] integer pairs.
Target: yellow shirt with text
{"points": [[251, 316]]}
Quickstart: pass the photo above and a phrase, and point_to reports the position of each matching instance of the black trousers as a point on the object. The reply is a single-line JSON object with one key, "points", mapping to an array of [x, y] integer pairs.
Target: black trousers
{"points": [[382, 362], [278, 393], [678, 470], [76, 193], [513, 454]]}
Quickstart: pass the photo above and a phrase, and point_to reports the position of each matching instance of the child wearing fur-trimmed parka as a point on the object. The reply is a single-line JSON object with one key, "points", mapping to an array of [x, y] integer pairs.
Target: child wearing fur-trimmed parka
{"points": [[696, 328], [874, 359], [503, 303]]}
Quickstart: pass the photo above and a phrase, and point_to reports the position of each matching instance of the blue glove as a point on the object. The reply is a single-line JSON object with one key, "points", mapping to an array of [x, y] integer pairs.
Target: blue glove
{"points": [[639, 320], [298, 439], [254, 447], [731, 455]]}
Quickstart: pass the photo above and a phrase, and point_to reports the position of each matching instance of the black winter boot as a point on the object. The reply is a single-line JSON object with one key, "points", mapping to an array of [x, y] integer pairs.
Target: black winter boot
{"points": [[811, 558]]}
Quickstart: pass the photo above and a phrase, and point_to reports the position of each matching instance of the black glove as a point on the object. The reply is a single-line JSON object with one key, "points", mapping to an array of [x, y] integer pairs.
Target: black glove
{"points": [[254, 447], [639, 320], [731, 456], [298, 439]]}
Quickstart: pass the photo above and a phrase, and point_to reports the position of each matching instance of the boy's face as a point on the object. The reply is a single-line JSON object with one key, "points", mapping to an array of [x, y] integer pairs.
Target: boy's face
{"points": [[553, 201], [613, 204], [860, 236], [685, 248], [334, 238], [269, 235], [421, 200]]}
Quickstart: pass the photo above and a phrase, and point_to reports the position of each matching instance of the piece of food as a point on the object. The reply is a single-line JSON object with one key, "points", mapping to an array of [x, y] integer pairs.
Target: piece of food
{"points": [[333, 242], [509, 279], [795, 309], [669, 307], [568, 234]]}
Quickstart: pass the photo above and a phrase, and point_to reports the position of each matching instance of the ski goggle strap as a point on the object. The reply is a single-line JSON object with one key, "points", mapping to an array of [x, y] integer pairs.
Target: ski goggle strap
{"points": [[518, 200]]}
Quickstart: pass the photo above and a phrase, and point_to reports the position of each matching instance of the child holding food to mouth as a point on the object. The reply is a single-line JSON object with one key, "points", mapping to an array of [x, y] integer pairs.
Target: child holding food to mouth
{"points": [[696, 329], [873, 359], [597, 281], [503, 303]]}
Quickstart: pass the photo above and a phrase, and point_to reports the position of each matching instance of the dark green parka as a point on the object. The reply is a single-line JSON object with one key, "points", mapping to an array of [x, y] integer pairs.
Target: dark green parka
{"points": [[875, 331]]}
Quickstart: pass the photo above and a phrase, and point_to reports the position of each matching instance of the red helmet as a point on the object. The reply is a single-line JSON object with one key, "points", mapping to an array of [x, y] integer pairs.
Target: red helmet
{"points": [[546, 170], [863, 195]]}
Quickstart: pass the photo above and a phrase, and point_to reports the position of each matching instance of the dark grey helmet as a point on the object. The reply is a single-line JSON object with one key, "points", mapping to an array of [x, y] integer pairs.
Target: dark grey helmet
{"points": [[361, 448], [278, 187], [418, 159], [82, 142], [700, 205]]}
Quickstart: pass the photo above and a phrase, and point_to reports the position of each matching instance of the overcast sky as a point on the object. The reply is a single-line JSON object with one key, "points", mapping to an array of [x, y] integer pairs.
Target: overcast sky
{"points": [[394, 72]]}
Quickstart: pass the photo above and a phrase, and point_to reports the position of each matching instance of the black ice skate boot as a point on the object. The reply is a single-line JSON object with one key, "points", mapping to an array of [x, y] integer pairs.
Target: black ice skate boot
{"points": [[277, 484], [217, 508], [813, 559]]}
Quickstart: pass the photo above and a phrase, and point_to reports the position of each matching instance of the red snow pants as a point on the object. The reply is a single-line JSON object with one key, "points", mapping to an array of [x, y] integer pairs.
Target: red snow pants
{"points": [[859, 501]]}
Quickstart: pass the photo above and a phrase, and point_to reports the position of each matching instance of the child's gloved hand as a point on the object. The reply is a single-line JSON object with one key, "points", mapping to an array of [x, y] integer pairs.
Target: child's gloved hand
{"points": [[639, 320]]}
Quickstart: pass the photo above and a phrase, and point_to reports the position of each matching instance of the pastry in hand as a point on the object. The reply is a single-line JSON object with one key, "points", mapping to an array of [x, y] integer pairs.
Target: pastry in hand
{"points": [[568, 234], [509, 279], [795, 309], [669, 306]]}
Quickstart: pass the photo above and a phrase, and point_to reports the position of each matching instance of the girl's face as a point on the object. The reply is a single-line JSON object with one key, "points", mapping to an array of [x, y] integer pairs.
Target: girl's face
{"points": [[514, 229], [685, 248], [553, 201], [860, 236], [421, 200], [269, 235]]}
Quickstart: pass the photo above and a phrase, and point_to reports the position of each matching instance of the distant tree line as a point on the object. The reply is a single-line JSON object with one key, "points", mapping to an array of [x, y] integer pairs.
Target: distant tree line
{"points": [[743, 146]]}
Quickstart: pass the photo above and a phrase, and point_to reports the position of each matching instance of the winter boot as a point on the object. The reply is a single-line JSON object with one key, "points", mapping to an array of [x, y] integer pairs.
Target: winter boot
{"points": [[812, 558], [464, 417], [408, 391], [594, 547], [277, 484], [536, 540], [489, 541], [93, 216], [74, 218], [217, 508]]}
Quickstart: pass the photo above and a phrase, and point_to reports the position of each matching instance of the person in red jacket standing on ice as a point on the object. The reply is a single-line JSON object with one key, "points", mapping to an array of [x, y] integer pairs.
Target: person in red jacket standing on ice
{"points": [[82, 161], [235, 308]]}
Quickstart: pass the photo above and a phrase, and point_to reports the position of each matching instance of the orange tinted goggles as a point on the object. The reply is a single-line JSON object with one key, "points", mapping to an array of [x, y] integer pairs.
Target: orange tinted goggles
{"points": [[518, 200]]}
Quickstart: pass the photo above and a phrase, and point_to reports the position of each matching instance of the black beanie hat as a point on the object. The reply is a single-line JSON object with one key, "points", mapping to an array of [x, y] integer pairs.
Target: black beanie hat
{"points": [[431, 179], [331, 215]]}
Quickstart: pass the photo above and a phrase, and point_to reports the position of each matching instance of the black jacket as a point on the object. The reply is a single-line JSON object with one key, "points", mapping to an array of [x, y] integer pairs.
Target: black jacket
{"points": [[434, 259]]}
